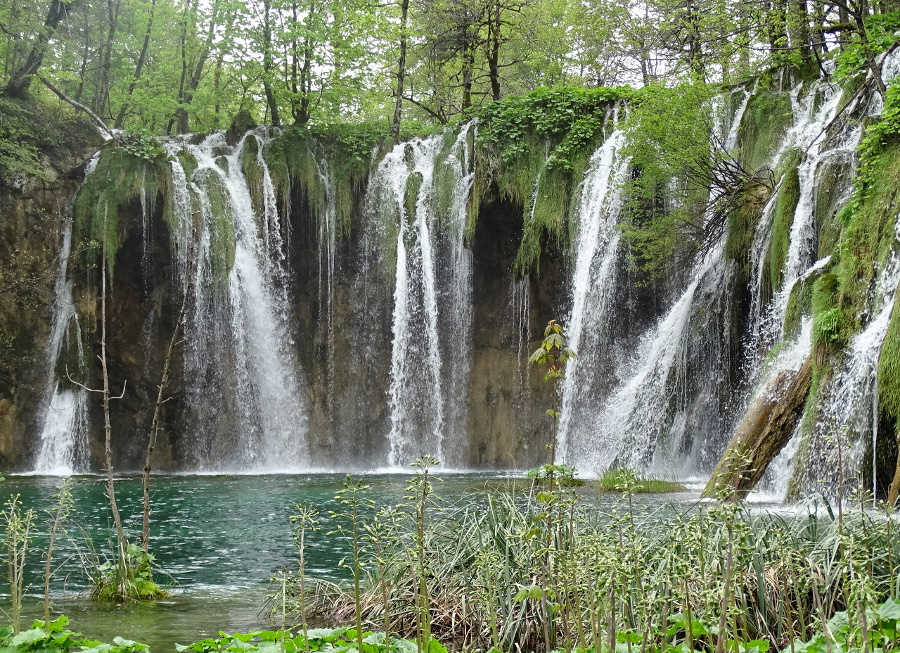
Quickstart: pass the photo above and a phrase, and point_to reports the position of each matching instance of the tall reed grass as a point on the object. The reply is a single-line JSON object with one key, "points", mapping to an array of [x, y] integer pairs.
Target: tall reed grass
{"points": [[548, 571]]}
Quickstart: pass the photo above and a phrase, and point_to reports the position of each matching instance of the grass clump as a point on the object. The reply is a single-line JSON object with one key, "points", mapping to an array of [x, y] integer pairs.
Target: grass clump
{"points": [[622, 480], [128, 577]]}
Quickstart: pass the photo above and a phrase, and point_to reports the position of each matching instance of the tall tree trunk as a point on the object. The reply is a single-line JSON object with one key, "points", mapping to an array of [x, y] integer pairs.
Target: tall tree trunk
{"points": [[799, 30], [188, 90], [21, 76], [139, 66], [494, 26], [107, 425], [85, 57], [184, 64], [401, 72], [112, 16], [268, 64], [468, 71]]}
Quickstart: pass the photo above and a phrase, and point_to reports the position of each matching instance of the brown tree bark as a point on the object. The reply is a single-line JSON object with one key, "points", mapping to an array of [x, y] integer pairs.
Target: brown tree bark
{"points": [[401, 71], [139, 66], [763, 432]]}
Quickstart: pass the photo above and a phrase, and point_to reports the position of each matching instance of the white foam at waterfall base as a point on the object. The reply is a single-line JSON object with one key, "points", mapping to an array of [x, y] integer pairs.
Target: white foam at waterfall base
{"points": [[63, 429]]}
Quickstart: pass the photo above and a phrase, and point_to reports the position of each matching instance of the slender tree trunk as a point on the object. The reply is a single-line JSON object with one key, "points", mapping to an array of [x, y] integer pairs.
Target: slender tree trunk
{"points": [[187, 95], [85, 57], [184, 65], [268, 64], [112, 16], [154, 426], [107, 425], [401, 72], [21, 76], [494, 26], [139, 66], [468, 69]]}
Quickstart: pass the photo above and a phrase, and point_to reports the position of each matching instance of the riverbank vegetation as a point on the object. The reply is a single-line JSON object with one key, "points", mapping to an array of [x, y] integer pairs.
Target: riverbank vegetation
{"points": [[550, 572]]}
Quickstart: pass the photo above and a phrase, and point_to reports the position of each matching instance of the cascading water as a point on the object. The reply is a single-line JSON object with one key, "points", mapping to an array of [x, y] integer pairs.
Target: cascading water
{"points": [[245, 394], [597, 251], [626, 425], [63, 432], [811, 117], [849, 415], [418, 197], [808, 136]]}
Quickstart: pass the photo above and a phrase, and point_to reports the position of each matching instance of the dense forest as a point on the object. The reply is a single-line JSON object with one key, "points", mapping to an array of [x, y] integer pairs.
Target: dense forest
{"points": [[173, 66]]}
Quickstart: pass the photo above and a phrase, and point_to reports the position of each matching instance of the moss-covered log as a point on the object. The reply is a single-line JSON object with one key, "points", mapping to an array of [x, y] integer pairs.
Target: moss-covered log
{"points": [[762, 434]]}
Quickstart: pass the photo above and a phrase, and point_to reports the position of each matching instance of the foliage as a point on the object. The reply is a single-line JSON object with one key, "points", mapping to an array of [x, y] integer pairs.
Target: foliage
{"points": [[54, 637], [126, 577], [618, 480], [534, 148], [830, 329], [881, 33], [693, 580], [19, 526], [336, 640], [121, 176], [563, 475], [785, 207], [889, 369], [553, 353], [675, 187], [28, 129]]}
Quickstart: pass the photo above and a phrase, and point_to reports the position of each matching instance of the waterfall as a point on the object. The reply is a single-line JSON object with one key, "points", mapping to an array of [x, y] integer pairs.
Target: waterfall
{"points": [[807, 134], [849, 414], [244, 388], [418, 196], [62, 449], [624, 425], [596, 253]]}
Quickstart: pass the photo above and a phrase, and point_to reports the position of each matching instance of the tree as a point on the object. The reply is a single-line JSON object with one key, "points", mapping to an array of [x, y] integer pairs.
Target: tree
{"points": [[20, 77]]}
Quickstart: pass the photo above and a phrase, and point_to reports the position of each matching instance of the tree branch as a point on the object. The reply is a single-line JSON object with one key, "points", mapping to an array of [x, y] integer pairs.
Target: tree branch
{"points": [[65, 98]]}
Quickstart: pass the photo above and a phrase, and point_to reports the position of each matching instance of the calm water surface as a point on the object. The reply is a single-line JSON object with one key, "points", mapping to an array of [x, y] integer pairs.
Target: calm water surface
{"points": [[219, 539]]}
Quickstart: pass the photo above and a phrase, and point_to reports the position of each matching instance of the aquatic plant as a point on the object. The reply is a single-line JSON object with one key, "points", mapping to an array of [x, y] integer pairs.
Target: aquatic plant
{"points": [[54, 637], [720, 577], [19, 526]]}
